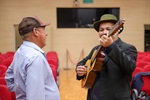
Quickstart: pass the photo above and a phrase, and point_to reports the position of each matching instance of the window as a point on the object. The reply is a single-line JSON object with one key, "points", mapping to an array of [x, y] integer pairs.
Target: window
{"points": [[82, 17]]}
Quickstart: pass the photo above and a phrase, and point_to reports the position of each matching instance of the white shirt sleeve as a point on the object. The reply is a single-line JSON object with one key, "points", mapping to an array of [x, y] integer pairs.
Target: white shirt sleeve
{"points": [[9, 78]]}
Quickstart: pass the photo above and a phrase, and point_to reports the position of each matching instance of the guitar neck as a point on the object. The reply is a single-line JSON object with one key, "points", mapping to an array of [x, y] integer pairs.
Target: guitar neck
{"points": [[96, 54]]}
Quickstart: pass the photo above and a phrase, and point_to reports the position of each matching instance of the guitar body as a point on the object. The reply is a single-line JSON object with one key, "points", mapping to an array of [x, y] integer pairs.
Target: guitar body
{"points": [[92, 69]]}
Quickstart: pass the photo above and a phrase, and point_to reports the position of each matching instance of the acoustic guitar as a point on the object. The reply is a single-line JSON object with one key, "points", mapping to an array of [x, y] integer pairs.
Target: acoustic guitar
{"points": [[94, 65]]}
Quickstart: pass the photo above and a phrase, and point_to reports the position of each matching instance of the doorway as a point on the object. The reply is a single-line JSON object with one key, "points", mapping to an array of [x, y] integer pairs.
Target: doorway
{"points": [[18, 39], [147, 38]]}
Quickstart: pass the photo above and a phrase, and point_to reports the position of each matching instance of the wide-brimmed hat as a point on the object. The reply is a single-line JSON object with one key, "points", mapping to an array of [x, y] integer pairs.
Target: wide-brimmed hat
{"points": [[29, 23], [105, 17]]}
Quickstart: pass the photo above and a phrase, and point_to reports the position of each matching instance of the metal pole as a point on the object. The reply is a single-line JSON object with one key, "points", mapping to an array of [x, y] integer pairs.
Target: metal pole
{"points": [[66, 68]]}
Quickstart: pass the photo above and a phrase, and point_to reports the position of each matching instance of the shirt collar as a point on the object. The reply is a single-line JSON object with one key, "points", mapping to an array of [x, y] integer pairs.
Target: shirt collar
{"points": [[33, 45]]}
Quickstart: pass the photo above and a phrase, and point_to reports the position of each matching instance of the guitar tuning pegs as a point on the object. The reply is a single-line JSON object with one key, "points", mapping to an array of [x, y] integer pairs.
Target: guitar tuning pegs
{"points": [[120, 30]]}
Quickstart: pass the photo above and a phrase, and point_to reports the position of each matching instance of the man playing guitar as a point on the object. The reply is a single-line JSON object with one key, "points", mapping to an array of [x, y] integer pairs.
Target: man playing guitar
{"points": [[116, 62]]}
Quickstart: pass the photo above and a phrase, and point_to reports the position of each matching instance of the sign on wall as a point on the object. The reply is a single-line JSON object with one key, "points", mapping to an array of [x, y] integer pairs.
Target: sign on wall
{"points": [[87, 1]]}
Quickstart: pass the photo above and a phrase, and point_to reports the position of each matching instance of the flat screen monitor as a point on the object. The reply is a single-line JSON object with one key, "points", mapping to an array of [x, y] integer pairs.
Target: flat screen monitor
{"points": [[82, 17]]}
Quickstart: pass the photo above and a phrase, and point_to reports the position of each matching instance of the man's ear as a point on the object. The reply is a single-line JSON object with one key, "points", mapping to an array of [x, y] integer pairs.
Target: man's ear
{"points": [[35, 32]]}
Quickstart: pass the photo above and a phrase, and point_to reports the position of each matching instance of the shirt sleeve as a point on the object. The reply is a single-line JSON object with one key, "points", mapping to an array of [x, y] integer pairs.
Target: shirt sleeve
{"points": [[35, 87], [9, 78]]}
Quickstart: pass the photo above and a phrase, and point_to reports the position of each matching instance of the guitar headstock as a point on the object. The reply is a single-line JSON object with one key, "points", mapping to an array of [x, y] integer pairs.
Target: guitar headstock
{"points": [[122, 20], [121, 29], [118, 27]]}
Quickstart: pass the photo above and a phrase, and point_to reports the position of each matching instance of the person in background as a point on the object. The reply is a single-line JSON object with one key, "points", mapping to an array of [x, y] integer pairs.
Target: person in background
{"points": [[30, 75], [118, 62]]}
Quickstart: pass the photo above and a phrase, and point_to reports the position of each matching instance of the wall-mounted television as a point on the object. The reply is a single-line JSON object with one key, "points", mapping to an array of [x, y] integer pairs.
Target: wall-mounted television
{"points": [[82, 17]]}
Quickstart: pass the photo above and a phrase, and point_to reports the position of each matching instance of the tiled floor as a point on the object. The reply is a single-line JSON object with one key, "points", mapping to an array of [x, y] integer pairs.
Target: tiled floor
{"points": [[70, 88]]}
